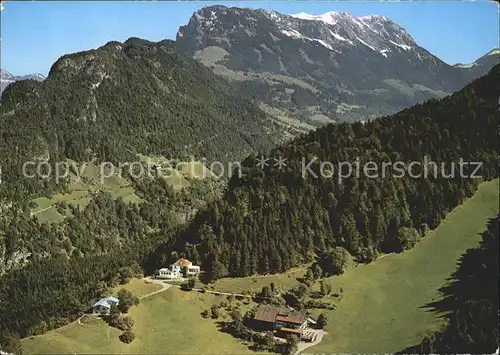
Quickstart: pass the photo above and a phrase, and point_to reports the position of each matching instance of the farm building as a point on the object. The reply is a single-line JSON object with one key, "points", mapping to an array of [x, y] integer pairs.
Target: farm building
{"points": [[280, 318], [103, 306]]}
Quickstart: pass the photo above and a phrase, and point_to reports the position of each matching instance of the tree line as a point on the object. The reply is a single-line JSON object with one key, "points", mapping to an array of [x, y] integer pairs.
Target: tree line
{"points": [[270, 220]]}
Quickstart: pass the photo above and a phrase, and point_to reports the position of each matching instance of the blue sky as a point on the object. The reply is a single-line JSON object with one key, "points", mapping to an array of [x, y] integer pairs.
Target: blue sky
{"points": [[35, 34]]}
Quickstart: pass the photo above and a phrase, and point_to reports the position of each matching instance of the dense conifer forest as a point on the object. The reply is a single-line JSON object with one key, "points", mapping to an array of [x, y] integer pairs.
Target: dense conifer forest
{"points": [[73, 263], [270, 219]]}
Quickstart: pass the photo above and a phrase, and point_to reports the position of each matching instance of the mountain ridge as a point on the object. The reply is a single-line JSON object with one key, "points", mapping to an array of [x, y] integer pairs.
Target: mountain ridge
{"points": [[124, 99], [481, 65], [7, 78], [362, 67]]}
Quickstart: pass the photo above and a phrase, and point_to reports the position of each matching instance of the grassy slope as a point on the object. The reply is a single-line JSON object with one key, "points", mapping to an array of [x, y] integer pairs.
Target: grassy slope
{"points": [[80, 191], [172, 323], [255, 283], [80, 194], [383, 307], [169, 322], [138, 287]]}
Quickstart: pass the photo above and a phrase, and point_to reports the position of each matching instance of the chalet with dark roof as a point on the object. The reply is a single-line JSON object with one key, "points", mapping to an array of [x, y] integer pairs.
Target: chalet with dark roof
{"points": [[280, 318]]}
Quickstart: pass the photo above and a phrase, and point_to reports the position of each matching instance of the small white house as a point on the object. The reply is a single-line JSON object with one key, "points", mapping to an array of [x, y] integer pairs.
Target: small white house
{"points": [[169, 273], [103, 306]]}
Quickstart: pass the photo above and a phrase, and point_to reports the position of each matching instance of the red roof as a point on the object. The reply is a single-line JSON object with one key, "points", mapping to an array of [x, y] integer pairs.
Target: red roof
{"points": [[182, 262]]}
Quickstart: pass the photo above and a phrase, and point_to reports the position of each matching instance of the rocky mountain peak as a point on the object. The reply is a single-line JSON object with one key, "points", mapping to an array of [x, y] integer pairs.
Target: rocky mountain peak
{"points": [[333, 30], [349, 66], [5, 75]]}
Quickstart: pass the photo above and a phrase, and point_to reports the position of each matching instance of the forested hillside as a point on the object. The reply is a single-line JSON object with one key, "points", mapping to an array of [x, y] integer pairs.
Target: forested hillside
{"points": [[272, 219], [471, 300], [72, 263], [104, 105], [122, 99], [268, 220]]}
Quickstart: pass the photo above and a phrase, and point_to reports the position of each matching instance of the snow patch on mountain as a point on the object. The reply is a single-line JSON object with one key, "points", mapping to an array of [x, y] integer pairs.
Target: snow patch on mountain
{"points": [[297, 34], [366, 44], [340, 38], [330, 18], [292, 33], [5, 75], [373, 31], [480, 61], [323, 43], [402, 46], [372, 18], [7, 78], [494, 52], [470, 65], [384, 52], [333, 30]]}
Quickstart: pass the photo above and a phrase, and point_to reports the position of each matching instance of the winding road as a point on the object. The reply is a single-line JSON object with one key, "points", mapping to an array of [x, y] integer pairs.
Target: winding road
{"points": [[166, 285]]}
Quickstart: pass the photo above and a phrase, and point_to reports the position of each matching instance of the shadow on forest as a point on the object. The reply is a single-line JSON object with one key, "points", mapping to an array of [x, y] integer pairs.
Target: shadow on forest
{"points": [[466, 283], [472, 288]]}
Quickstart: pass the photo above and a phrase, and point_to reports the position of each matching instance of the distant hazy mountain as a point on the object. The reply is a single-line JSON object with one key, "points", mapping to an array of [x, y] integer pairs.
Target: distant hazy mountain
{"points": [[482, 65], [319, 67], [7, 78]]}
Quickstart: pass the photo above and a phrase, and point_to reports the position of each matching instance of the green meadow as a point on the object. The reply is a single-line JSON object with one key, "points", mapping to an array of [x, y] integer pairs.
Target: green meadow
{"points": [[80, 190], [168, 322], [284, 281], [138, 287], [382, 310], [383, 304]]}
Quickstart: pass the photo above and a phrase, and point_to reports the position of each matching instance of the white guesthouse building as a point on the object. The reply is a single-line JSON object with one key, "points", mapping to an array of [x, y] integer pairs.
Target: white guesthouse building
{"points": [[175, 270], [103, 306], [170, 273]]}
